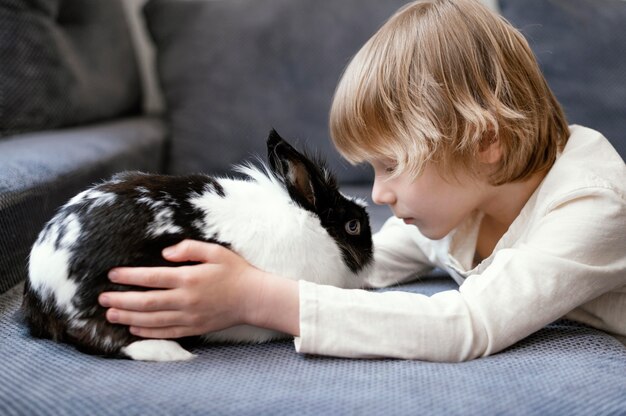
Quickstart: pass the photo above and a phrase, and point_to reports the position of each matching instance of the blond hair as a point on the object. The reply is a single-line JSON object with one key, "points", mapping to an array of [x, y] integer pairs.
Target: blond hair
{"points": [[436, 81]]}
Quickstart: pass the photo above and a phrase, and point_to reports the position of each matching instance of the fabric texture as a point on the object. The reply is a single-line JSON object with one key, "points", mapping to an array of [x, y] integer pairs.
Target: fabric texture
{"points": [[237, 68], [564, 369], [41, 171], [562, 256], [581, 48], [64, 62]]}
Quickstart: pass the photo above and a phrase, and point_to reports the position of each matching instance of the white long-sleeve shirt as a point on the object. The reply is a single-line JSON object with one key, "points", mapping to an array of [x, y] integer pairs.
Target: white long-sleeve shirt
{"points": [[563, 256]]}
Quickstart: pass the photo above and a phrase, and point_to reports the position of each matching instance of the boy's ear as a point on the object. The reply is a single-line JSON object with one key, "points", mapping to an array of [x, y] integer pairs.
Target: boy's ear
{"points": [[490, 150], [299, 174]]}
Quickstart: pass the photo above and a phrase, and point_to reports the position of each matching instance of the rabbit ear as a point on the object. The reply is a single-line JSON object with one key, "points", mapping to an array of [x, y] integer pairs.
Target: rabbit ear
{"points": [[303, 179]]}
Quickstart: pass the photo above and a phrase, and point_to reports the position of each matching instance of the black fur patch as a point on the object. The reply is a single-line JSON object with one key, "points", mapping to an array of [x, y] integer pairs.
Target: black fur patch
{"points": [[114, 235]]}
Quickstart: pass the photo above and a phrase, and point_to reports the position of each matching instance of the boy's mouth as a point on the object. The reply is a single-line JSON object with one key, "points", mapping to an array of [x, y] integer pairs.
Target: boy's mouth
{"points": [[408, 220]]}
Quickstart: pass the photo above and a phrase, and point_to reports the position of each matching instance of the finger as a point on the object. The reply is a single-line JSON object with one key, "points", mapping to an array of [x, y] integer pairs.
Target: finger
{"points": [[151, 300], [163, 333], [192, 250], [160, 319], [154, 277]]}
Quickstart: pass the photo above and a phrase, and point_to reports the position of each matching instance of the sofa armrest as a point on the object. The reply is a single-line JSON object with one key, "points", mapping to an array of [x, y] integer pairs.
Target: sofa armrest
{"points": [[40, 171]]}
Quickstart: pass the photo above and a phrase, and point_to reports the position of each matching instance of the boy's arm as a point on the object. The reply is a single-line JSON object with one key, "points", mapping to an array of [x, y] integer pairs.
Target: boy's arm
{"points": [[224, 290], [401, 253], [573, 255], [275, 304]]}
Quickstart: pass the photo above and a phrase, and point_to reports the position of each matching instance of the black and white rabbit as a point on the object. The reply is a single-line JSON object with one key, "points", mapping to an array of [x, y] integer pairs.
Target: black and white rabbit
{"points": [[288, 218]]}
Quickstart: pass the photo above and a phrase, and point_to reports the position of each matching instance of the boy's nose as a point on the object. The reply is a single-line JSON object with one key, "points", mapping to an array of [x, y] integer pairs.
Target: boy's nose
{"points": [[381, 194]]}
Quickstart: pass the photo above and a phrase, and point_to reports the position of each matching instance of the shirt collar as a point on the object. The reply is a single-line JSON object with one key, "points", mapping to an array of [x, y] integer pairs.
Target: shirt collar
{"points": [[463, 239]]}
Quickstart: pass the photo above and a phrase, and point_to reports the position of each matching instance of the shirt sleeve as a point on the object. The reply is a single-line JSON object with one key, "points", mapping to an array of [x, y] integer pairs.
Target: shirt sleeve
{"points": [[572, 255], [399, 255]]}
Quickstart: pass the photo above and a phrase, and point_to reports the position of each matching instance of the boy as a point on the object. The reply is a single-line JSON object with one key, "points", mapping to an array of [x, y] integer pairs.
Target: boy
{"points": [[473, 154]]}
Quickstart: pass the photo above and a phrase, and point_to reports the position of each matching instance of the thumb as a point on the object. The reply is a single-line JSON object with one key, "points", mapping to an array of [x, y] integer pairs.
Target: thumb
{"points": [[192, 250]]}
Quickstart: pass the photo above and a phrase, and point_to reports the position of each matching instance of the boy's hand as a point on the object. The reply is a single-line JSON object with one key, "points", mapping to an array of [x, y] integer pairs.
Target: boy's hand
{"points": [[220, 292]]}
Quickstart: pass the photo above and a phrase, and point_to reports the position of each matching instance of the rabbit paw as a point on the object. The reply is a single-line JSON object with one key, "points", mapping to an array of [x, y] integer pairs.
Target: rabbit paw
{"points": [[156, 350]]}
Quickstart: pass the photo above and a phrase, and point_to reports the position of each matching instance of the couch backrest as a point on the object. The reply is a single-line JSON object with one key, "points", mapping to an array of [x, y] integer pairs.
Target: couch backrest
{"points": [[233, 69], [64, 62], [581, 48]]}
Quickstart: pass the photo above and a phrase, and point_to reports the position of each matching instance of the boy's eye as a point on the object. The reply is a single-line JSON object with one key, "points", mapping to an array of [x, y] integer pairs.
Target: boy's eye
{"points": [[384, 166], [353, 227], [390, 169]]}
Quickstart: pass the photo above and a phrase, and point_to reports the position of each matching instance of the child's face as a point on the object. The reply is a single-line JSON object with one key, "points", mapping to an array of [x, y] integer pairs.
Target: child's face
{"points": [[434, 205]]}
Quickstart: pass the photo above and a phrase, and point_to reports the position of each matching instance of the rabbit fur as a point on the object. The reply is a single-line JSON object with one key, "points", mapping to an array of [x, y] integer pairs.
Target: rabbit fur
{"points": [[287, 218]]}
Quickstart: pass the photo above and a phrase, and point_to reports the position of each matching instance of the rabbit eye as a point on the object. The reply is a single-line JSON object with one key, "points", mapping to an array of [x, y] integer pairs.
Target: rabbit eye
{"points": [[353, 227]]}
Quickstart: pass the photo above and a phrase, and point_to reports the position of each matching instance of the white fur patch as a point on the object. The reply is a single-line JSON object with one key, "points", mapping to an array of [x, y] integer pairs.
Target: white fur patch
{"points": [[362, 202], [163, 223], [49, 265], [95, 197], [78, 198], [102, 198], [71, 226], [156, 350], [359, 201], [152, 203], [263, 224]]}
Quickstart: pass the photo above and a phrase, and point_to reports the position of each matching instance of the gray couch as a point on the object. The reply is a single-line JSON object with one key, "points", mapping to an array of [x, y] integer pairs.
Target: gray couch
{"points": [[230, 70]]}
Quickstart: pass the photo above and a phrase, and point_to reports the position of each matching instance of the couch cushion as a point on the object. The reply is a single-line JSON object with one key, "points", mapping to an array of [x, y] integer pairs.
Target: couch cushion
{"points": [[64, 62], [232, 69], [41, 171], [563, 369], [581, 48]]}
